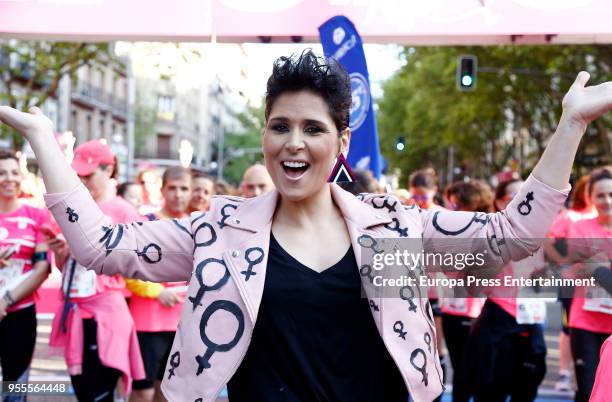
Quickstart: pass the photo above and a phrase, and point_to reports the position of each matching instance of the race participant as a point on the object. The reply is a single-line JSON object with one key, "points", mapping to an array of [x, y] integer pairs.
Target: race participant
{"points": [[506, 352], [202, 189], [255, 181], [591, 311], [94, 326], [555, 249], [132, 193], [156, 307], [23, 268], [458, 313]]}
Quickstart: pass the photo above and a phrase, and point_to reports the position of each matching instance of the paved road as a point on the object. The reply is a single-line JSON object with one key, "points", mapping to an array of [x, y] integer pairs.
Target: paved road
{"points": [[45, 367]]}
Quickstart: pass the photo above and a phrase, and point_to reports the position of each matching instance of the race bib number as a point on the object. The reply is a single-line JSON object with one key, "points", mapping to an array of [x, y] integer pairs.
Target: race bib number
{"points": [[83, 281], [12, 275], [597, 299], [530, 311]]}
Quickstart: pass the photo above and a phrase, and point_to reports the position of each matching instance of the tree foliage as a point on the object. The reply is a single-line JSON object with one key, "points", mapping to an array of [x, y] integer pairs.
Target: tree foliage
{"points": [[242, 149], [518, 95], [31, 71]]}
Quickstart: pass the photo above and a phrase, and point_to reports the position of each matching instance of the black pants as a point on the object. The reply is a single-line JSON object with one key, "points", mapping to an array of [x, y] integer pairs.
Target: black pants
{"points": [[155, 349], [585, 352], [456, 333], [17, 341], [96, 382], [504, 358]]}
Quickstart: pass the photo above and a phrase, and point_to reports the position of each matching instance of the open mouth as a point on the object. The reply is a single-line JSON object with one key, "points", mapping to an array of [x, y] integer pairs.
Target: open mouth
{"points": [[295, 169]]}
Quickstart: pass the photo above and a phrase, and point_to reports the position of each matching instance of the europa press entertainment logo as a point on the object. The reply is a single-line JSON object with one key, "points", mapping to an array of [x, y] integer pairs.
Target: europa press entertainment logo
{"points": [[361, 100]]}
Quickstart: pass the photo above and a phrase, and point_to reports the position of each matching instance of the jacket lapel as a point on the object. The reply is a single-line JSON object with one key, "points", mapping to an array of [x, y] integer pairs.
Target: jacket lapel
{"points": [[247, 260]]}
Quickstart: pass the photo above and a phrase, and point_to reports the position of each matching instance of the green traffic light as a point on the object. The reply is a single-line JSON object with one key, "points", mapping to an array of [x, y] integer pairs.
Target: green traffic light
{"points": [[466, 81]]}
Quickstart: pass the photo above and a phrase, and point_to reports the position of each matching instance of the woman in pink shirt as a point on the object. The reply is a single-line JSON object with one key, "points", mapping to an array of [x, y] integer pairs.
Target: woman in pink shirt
{"points": [[555, 248], [245, 256], [458, 313], [591, 315], [23, 268], [94, 312], [506, 351]]}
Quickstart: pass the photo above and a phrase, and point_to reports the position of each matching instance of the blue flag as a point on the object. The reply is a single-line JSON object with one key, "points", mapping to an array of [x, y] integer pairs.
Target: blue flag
{"points": [[341, 41]]}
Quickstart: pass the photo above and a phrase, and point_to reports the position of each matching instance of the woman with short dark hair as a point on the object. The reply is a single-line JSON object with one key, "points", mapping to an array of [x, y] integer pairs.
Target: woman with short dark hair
{"points": [[274, 304]]}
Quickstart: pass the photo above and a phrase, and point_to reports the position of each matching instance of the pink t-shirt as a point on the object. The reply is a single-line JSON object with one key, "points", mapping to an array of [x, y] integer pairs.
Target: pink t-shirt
{"points": [[150, 315], [560, 227], [21, 228], [502, 296], [597, 237], [85, 282], [602, 389]]}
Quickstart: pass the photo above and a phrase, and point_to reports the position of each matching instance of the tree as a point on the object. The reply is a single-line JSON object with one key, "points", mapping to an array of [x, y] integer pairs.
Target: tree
{"points": [[242, 149], [144, 123], [519, 90], [31, 71]]}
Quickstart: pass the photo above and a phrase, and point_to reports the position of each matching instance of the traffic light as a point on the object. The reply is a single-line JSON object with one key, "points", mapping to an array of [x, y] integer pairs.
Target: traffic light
{"points": [[467, 65], [400, 144]]}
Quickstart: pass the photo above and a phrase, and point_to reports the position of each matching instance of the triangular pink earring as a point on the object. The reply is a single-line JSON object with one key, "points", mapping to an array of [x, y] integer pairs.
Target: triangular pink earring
{"points": [[341, 171]]}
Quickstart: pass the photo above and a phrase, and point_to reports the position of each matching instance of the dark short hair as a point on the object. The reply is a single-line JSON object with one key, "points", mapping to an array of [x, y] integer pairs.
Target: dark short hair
{"points": [[364, 182], [123, 188], [175, 173], [473, 195], [8, 154], [599, 174], [308, 71], [201, 175], [423, 178]]}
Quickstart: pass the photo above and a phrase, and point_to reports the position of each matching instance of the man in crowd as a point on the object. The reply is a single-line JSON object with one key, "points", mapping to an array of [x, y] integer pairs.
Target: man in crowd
{"points": [[255, 181]]}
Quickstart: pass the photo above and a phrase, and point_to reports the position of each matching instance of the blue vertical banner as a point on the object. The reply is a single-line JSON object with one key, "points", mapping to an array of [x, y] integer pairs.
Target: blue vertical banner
{"points": [[341, 41]]}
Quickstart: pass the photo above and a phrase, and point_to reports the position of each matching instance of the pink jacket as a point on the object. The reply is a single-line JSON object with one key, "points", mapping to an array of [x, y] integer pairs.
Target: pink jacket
{"points": [[117, 342], [224, 252]]}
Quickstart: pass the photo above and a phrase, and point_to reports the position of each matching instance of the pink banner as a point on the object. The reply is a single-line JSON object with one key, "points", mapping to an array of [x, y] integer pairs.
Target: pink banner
{"points": [[402, 21]]}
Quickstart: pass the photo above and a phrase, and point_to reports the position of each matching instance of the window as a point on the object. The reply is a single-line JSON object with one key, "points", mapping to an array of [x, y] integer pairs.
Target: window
{"points": [[166, 107]]}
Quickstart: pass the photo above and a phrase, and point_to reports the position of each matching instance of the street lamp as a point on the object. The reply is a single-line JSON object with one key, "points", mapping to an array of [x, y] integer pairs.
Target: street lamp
{"points": [[185, 153]]}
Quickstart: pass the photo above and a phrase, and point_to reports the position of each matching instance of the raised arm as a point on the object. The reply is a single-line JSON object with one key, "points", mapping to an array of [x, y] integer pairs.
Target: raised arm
{"points": [[581, 105], [519, 230], [154, 251]]}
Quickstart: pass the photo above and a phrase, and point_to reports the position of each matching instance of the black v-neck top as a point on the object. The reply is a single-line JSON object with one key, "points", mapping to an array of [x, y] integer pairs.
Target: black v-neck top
{"points": [[315, 339]]}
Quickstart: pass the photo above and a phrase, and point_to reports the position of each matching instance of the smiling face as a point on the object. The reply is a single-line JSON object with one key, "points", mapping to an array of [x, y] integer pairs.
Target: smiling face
{"points": [[301, 143], [202, 189], [10, 178], [601, 197]]}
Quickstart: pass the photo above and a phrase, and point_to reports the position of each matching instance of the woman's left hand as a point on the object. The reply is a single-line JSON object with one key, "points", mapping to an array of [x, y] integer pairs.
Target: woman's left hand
{"points": [[583, 104]]}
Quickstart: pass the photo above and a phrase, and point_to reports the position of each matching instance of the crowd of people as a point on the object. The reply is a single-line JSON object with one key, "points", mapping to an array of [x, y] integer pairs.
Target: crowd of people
{"points": [[134, 272]]}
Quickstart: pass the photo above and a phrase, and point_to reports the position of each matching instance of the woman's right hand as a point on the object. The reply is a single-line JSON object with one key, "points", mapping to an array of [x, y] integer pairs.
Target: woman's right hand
{"points": [[168, 298], [5, 255], [37, 129], [29, 124]]}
